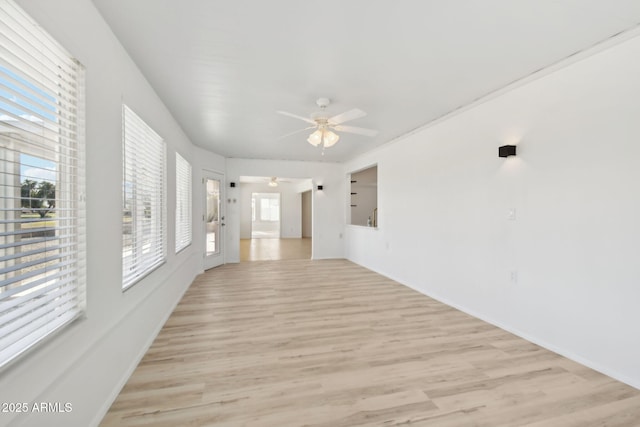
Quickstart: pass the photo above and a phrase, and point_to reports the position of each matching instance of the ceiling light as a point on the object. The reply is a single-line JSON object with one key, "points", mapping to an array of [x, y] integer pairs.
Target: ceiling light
{"points": [[315, 138], [329, 138], [273, 182], [323, 136]]}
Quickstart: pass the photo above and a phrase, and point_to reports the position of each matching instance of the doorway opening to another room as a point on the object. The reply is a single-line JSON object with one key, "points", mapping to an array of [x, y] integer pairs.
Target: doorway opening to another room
{"points": [[275, 218]]}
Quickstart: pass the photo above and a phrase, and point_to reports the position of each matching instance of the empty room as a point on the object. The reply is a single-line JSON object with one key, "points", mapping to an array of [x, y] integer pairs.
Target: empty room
{"points": [[328, 214]]}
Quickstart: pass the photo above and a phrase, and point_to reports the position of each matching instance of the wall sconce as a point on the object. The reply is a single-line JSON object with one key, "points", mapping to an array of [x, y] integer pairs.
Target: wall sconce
{"points": [[507, 150], [320, 187]]}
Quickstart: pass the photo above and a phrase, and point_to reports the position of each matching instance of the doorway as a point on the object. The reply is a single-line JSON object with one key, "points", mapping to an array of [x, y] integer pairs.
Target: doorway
{"points": [[213, 184], [270, 210], [265, 215]]}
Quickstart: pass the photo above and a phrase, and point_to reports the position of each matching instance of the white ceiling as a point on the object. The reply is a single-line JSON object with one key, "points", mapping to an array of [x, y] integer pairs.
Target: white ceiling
{"points": [[224, 68]]}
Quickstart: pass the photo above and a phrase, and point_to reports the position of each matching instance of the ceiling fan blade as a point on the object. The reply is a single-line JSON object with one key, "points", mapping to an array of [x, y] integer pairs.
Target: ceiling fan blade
{"points": [[346, 116], [359, 131], [295, 116], [294, 132]]}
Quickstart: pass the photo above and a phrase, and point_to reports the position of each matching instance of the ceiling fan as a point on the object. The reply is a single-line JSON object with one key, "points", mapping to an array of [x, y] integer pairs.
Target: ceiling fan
{"points": [[274, 181], [325, 126]]}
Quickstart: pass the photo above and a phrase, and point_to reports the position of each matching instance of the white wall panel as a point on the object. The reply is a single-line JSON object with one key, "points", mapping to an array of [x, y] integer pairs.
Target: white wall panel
{"points": [[564, 273]]}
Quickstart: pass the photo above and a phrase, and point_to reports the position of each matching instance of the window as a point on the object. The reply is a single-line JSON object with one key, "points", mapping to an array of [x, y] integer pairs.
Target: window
{"points": [[183, 203], [42, 220], [143, 202], [270, 209], [265, 223]]}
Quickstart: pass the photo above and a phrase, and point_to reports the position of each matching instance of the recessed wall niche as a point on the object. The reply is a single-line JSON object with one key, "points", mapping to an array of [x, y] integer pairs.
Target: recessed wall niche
{"points": [[364, 197]]}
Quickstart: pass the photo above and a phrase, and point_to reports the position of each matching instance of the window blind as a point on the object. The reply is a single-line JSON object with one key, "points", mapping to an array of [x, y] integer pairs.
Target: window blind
{"points": [[42, 216], [183, 203], [144, 205]]}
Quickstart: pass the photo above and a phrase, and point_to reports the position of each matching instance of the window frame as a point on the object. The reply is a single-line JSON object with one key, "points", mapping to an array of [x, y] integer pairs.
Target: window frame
{"points": [[144, 175], [42, 260], [184, 203]]}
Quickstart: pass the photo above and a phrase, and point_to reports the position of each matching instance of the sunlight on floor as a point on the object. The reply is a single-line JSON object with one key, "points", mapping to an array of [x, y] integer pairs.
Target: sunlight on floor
{"points": [[274, 249]]}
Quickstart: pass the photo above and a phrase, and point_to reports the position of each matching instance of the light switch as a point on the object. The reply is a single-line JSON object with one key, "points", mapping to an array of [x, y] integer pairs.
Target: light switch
{"points": [[511, 214]]}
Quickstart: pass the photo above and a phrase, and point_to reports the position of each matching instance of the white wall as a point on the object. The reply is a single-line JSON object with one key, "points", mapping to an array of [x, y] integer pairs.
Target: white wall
{"points": [[307, 207], [88, 362], [444, 198], [328, 205]]}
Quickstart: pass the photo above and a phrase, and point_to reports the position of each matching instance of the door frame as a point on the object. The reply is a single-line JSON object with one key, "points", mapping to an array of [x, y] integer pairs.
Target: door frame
{"points": [[217, 259]]}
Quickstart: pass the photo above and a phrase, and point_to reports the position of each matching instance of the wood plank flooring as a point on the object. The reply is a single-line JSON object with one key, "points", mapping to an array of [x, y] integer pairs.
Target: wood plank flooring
{"points": [[331, 344], [274, 249]]}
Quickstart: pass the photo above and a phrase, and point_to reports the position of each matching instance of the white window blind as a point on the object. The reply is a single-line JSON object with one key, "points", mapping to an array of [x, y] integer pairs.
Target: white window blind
{"points": [[183, 203], [42, 219], [144, 205]]}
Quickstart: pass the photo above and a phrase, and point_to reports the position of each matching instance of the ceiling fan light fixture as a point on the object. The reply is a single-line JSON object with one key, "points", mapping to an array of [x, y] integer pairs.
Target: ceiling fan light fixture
{"points": [[323, 135], [330, 138], [315, 138]]}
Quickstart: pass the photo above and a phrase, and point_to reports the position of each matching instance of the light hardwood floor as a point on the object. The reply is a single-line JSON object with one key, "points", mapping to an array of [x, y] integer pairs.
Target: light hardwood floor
{"points": [[274, 249], [331, 344]]}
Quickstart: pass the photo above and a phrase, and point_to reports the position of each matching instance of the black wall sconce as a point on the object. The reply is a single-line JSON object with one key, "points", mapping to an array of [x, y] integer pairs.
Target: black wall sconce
{"points": [[507, 150], [320, 187], [232, 184]]}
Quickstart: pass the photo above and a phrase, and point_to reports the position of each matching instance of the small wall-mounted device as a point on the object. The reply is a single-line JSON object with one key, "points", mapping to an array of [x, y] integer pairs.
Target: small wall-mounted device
{"points": [[232, 184], [320, 187], [507, 150]]}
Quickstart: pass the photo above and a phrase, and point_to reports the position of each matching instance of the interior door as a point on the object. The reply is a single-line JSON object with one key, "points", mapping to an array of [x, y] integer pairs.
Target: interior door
{"points": [[213, 184]]}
